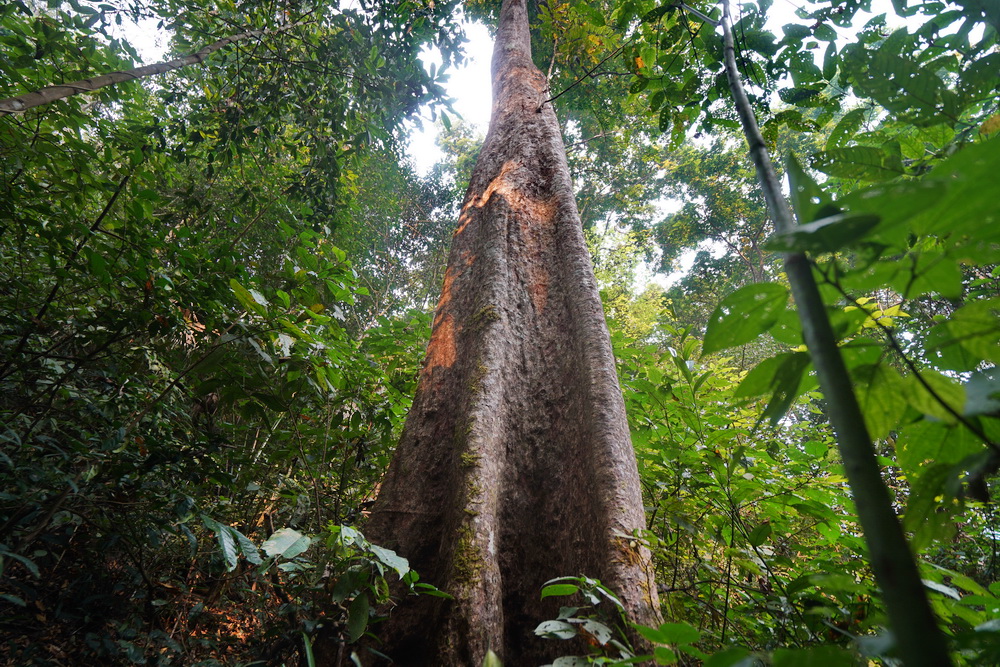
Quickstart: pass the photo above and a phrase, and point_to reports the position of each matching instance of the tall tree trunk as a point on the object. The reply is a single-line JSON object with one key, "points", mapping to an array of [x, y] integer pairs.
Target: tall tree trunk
{"points": [[515, 466]]}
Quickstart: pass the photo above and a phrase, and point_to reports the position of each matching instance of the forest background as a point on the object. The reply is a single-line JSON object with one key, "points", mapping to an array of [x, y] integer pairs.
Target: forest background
{"points": [[216, 288]]}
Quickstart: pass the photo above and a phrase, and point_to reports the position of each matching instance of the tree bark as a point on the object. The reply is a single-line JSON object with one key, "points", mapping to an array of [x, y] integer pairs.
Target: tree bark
{"points": [[515, 466]]}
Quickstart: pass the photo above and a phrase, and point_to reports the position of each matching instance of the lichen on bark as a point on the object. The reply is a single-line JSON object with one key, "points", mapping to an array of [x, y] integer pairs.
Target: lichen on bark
{"points": [[515, 466]]}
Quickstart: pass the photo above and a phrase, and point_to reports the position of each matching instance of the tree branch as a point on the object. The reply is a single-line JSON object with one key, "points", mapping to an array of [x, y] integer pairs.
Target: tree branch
{"points": [[918, 638], [22, 103]]}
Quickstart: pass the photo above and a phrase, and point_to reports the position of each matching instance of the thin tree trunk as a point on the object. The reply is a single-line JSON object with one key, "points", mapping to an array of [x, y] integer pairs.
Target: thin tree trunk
{"points": [[919, 640], [48, 94], [515, 466]]}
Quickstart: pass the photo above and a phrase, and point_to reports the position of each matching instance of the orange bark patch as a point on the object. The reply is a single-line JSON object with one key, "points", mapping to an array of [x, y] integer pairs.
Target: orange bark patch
{"points": [[498, 184], [536, 223], [441, 350], [449, 278]]}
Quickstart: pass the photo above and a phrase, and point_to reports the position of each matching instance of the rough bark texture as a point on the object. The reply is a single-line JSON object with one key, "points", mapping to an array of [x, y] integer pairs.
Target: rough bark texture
{"points": [[515, 466]]}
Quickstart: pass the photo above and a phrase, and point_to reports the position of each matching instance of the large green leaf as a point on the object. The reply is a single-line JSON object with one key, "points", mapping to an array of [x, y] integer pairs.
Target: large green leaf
{"points": [[556, 630], [828, 234], [808, 199], [357, 618], [227, 541], [929, 442], [935, 394], [744, 315], [879, 389], [286, 543], [817, 656], [863, 163], [930, 507], [391, 558], [670, 633]]}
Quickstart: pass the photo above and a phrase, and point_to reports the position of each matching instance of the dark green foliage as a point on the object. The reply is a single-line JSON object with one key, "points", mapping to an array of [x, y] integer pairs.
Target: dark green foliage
{"points": [[183, 368], [214, 297]]}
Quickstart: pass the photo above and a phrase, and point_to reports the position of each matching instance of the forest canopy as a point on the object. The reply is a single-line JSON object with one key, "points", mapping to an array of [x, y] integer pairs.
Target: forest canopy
{"points": [[218, 278]]}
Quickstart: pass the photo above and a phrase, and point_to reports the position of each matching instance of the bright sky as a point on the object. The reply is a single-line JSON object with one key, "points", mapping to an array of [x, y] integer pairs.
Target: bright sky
{"points": [[469, 86]]}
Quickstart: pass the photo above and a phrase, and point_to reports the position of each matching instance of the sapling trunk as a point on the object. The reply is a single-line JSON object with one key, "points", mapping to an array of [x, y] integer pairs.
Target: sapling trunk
{"points": [[918, 637]]}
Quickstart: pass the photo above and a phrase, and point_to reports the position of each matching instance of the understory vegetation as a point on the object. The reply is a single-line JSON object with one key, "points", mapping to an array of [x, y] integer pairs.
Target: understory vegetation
{"points": [[216, 287]]}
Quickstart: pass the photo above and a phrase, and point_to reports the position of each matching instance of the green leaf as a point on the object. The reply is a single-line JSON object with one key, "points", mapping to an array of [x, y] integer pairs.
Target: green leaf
{"points": [[679, 633], [670, 633], [942, 589], [880, 392], [896, 204], [797, 95], [859, 162], [788, 380], [248, 548], [744, 315], [936, 272], [808, 200], [638, 85], [929, 508], [556, 630], [759, 534], [664, 656], [286, 543], [760, 41], [732, 657], [828, 234], [392, 559], [599, 631], [270, 401], [934, 394], [830, 62], [433, 591], [665, 118], [825, 33], [846, 128], [227, 543], [795, 32], [357, 618], [559, 589], [654, 14], [571, 661], [982, 393], [976, 327], [246, 298], [817, 656]]}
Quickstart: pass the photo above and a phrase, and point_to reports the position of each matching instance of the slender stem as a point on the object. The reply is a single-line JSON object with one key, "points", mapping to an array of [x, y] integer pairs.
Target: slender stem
{"points": [[37, 319], [48, 94], [918, 639]]}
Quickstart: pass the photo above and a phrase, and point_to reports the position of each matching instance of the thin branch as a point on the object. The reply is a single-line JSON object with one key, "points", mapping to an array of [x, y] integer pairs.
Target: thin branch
{"points": [[48, 94], [588, 73], [894, 344], [69, 262]]}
